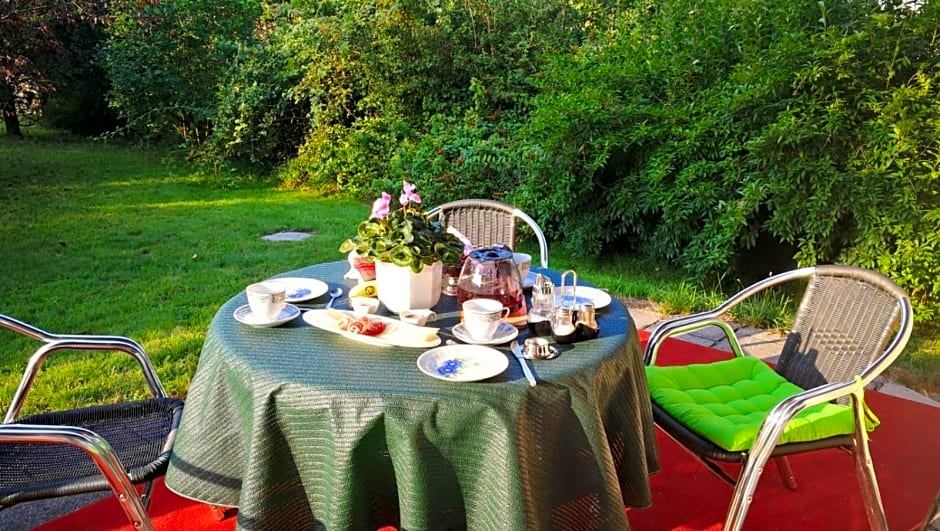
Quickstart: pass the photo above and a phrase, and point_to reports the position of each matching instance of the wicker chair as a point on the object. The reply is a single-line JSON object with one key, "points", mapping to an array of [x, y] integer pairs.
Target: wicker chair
{"points": [[486, 223], [850, 326], [113, 446]]}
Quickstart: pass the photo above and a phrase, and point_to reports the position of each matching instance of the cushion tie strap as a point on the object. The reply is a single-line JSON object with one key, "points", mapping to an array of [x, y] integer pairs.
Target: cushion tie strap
{"points": [[871, 420]]}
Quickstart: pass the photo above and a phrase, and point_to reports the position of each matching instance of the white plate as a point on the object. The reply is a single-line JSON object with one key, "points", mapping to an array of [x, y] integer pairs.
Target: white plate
{"points": [[462, 363], [504, 334], [396, 332], [244, 315], [585, 294], [303, 289]]}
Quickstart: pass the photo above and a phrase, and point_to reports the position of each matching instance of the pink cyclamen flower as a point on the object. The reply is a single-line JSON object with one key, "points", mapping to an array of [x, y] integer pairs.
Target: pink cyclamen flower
{"points": [[408, 195], [380, 206]]}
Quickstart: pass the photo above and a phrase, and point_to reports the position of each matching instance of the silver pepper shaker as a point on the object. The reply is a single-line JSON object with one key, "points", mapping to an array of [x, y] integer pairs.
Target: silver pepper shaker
{"points": [[586, 323]]}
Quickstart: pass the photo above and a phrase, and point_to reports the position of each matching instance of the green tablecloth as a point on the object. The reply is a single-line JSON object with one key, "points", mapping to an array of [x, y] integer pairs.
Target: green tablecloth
{"points": [[304, 429]]}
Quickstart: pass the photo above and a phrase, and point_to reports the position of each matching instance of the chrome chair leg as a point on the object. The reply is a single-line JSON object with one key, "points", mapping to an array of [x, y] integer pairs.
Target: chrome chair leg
{"points": [[100, 452], [865, 471], [744, 491], [145, 496]]}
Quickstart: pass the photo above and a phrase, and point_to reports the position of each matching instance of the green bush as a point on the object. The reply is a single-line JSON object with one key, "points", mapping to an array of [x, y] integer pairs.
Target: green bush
{"points": [[257, 120], [390, 89], [166, 61], [709, 136], [709, 127]]}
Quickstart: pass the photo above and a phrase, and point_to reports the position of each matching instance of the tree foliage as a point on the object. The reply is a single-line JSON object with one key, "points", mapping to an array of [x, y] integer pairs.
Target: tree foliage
{"points": [[32, 51]]}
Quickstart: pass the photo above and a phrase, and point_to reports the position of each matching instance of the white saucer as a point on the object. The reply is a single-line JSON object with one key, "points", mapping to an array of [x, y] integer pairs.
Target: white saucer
{"points": [[600, 298], [462, 363], [504, 334], [244, 315], [303, 289]]}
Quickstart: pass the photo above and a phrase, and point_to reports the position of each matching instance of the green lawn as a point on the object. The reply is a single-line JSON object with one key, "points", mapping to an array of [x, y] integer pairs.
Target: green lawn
{"points": [[96, 238]]}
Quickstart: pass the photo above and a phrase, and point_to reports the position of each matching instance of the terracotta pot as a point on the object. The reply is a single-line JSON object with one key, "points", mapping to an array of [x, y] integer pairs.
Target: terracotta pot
{"points": [[365, 269]]}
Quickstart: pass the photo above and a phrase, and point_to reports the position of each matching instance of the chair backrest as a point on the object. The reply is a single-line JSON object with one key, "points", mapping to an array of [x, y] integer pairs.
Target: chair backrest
{"points": [[486, 222], [843, 327]]}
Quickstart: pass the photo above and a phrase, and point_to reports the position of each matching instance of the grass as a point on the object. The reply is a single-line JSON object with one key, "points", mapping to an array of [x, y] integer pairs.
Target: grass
{"points": [[104, 239], [98, 238]]}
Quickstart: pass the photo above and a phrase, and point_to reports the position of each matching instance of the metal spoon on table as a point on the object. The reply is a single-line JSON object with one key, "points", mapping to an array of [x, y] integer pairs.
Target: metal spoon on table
{"points": [[334, 294]]}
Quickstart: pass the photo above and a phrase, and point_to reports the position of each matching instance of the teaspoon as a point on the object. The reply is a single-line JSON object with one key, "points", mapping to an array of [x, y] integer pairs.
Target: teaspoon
{"points": [[334, 294]]}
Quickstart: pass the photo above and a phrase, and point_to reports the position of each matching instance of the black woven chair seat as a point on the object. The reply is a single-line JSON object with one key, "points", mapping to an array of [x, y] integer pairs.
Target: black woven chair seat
{"points": [[709, 450], [137, 431]]}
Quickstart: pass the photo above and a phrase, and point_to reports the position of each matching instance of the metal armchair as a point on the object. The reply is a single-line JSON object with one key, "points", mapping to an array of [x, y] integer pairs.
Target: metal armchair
{"points": [[851, 324], [113, 446], [486, 222]]}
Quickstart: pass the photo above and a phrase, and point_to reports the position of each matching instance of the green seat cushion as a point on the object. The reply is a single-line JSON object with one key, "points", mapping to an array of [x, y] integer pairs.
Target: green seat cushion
{"points": [[726, 402]]}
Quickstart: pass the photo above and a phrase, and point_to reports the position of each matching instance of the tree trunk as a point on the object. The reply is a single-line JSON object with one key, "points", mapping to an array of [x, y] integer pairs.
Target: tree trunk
{"points": [[11, 120]]}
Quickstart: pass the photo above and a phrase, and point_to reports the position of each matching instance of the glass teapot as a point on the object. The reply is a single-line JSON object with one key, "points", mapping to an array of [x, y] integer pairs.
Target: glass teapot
{"points": [[490, 273]]}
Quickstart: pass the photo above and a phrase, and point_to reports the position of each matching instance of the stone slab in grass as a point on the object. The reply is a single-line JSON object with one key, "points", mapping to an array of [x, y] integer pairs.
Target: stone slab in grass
{"points": [[287, 236]]}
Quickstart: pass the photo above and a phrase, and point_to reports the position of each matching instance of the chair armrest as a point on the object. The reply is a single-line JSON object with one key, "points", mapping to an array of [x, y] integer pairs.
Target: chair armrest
{"points": [[100, 452], [92, 343], [778, 417], [685, 324], [688, 323], [48, 337]]}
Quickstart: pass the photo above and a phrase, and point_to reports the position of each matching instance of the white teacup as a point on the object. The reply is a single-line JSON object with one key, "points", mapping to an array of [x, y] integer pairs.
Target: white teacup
{"points": [[364, 305], [266, 299], [523, 264], [417, 317], [481, 317]]}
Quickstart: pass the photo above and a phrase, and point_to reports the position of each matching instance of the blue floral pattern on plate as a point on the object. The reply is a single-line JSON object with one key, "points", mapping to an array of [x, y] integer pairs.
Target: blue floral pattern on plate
{"points": [[302, 289], [449, 367], [299, 293], [462, 363]]}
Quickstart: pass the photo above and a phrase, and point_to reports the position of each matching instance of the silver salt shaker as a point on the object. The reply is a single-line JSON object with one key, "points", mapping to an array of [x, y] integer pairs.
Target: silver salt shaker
{"points": [[543, 306]]}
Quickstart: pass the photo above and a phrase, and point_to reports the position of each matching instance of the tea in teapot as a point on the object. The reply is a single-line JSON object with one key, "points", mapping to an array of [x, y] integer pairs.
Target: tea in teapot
{"points": [[490, 273]]}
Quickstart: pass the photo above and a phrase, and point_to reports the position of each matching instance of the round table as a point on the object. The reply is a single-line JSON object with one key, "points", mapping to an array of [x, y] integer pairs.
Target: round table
{"points": [[301, 428]]}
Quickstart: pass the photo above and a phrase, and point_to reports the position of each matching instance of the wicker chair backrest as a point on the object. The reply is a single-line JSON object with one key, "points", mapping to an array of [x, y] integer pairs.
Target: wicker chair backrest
{"points": [[845, 320], [485, 223]]}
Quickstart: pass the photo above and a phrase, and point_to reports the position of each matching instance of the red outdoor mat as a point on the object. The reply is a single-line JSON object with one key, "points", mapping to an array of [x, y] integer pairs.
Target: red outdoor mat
{"points": [[167, 511], [685, 495]]}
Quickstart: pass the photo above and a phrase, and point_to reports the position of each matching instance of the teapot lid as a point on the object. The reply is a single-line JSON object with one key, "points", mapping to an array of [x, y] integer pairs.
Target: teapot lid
{"points": [[497, 253]]}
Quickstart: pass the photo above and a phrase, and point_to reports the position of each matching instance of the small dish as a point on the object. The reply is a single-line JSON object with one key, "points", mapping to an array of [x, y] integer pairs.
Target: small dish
{"points": [[243, 315], [505, 333], [600, 298], [538, 348], [462, 363], [303, 289]]}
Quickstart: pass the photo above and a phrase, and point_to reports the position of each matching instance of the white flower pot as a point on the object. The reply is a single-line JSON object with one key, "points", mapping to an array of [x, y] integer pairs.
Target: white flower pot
{"points": [[401, 289]]}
